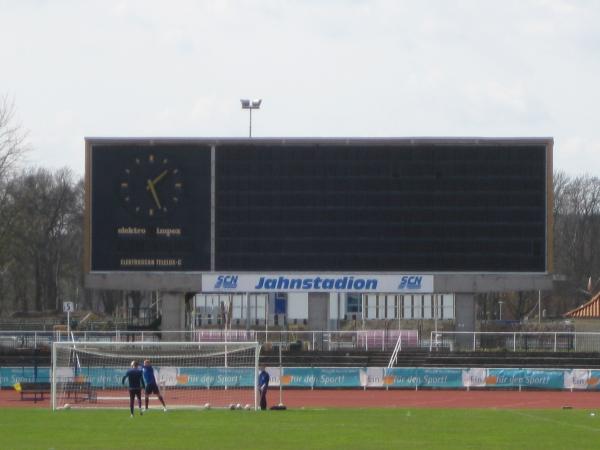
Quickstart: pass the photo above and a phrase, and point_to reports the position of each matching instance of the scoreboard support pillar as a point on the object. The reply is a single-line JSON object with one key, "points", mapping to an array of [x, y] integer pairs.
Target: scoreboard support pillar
{"points": [[173, 311], [465, 318]]}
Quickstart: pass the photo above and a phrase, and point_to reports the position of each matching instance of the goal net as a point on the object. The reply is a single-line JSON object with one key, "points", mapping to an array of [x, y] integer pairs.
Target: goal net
{"points": [[188, 374]]}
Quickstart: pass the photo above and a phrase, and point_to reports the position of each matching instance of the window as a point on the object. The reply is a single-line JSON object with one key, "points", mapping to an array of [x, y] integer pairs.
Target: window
{"points": [[390, 307], [353, 304], [407, 301], [371, 306], [424, 307], [280, 303], [238, 307], [447, 306], [418, 306], [428, 308], [257, 307]]}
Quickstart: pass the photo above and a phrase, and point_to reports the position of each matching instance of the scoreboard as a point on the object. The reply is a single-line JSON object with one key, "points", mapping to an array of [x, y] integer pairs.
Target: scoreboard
{"points": [[278, 204], [150, 206]]}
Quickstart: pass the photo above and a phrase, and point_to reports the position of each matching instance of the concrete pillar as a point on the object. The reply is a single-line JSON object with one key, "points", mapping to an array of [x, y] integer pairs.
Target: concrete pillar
{"points": [[318, 309], [248, 318], [465, 319], [173, 313], [334, 310]]}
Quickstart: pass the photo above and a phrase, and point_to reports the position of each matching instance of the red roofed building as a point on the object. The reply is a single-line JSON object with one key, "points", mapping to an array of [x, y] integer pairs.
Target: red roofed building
{"points": [[589, 310]]}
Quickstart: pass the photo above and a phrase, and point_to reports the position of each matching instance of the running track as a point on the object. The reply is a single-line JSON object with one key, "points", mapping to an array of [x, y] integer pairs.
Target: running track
{"points": [[399, 399]]}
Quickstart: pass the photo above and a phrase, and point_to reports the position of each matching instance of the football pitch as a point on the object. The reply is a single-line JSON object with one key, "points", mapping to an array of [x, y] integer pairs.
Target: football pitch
{"points": [[30, 428]]}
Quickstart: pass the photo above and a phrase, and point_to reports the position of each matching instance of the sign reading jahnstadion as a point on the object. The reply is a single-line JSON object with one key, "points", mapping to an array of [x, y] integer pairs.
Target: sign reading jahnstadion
{"points": [[277, 282]]}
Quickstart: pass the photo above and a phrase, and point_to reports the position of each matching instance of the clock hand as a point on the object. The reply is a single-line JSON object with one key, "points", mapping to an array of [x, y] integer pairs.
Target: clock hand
{"points": [[151, 187], [160, 177]]}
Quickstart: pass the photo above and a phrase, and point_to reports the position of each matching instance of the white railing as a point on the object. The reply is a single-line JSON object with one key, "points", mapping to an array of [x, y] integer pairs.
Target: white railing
{"points": [[397, 348], [26, 339], [515, 341], [406, 339], [376, 340]]}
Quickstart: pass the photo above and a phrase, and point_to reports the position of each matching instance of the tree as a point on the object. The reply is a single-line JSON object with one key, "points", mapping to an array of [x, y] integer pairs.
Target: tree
{"points": [[12, 149], [576, 235], [46, 236], [12, 139]]}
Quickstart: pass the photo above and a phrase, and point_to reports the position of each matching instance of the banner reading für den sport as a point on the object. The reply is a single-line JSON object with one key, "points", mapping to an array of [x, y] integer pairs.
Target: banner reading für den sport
{"points": [[324, 377]]}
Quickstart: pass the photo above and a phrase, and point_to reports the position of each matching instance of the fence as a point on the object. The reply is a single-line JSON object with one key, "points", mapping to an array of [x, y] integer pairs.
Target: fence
{"points": [[559, 341], [376, 340], [318, 340], [49, 324], [360, 340]]}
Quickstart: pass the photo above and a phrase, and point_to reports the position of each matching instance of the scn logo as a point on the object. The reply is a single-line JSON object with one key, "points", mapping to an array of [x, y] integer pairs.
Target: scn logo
{"points": [[410, 282], [226, 282]]}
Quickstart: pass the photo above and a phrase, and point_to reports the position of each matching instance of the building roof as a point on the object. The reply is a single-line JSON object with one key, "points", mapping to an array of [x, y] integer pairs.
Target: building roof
{"points": [[589, 310]]}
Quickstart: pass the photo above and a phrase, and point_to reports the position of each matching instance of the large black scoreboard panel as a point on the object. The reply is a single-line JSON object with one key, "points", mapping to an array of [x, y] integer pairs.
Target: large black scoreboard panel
{"points": [[376, 205], [381, 206], [150, 206]]}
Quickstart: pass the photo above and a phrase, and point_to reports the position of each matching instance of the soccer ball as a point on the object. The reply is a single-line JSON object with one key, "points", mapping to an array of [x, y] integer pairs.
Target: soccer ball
{"points": [[67, 406], [247, 407], [207, 406]]}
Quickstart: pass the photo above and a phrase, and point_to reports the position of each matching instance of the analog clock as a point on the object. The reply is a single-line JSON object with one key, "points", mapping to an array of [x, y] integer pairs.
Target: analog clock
{"points": [[150, 186]]}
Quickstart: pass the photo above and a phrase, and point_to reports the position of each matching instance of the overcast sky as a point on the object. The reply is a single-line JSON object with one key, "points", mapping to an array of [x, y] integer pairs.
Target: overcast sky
{"points": [[322, 67]]}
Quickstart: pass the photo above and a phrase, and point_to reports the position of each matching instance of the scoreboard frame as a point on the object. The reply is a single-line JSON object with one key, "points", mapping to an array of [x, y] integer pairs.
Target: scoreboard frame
{"points": [[184, 279]]}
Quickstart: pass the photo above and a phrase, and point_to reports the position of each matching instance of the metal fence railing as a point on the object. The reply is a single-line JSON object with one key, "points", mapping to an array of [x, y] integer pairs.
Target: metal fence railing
{"points": [[359, 340], [380, 340], [375, 340], [525, 341], [49, 325]]}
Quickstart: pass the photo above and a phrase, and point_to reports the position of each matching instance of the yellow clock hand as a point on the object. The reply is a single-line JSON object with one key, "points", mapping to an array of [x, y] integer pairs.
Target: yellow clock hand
{"points": [[160, 177], [151, 187]]}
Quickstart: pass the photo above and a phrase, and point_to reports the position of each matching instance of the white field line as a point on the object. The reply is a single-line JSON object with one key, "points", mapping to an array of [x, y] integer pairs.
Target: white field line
{"points": [[545, 419], [153, 409]]}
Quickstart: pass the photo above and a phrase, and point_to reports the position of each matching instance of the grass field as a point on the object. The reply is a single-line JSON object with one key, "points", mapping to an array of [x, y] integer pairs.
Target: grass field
{"points": [[301, 429]]}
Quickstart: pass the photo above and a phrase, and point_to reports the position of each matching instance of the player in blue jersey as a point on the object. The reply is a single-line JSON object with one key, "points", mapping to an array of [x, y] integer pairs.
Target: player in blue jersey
{"points": [[263, 386], [136, 383], [151, 384]]}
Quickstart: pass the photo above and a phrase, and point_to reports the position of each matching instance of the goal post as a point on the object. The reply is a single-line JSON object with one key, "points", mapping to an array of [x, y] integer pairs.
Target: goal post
{"points": [[189, 374]]}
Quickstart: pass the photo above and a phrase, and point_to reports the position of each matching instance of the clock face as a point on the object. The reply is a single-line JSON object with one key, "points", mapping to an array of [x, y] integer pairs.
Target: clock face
{"points": [[150, 186]]}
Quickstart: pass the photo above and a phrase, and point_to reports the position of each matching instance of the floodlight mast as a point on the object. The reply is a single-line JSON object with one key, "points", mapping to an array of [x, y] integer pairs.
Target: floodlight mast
{"points": [[250, 105]]}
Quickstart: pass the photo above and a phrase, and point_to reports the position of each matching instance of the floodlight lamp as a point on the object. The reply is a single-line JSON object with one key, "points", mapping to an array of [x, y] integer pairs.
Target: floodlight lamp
{"points": [[245, 103], [256, 103]]}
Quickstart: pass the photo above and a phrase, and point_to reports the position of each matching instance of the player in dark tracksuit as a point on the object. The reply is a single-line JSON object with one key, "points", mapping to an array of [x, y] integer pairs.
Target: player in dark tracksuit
{"points": [[136, 383], [263, 386]]}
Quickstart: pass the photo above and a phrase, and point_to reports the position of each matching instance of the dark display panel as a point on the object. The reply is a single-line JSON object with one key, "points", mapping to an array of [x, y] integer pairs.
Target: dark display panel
{"points": [[150, 207], [362, 207]]}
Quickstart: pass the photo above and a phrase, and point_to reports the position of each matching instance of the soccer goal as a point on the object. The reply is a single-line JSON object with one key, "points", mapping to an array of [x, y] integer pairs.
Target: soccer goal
{"points": [[189, 374]]}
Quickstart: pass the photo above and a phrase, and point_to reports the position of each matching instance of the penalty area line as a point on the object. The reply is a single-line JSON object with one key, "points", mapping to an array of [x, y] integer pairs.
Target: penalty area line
{"points": [[546, 419]]}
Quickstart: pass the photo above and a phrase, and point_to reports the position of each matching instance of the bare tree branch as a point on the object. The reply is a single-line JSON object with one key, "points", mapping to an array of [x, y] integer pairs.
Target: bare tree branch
{"points": [[12, 138]]}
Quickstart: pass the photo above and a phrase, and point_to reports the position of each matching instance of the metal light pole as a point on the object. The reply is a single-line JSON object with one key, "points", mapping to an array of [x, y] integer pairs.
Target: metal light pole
{"points": [[250, 105], [539, 307], [435, 313]]}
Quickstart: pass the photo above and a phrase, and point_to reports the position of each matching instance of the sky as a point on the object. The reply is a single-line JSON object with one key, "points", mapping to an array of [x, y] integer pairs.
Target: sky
{"points": [[324, 68]]}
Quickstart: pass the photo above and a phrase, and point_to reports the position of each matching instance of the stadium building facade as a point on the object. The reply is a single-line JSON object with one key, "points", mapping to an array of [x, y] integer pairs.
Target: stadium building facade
{"points": [[315, 232]]}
